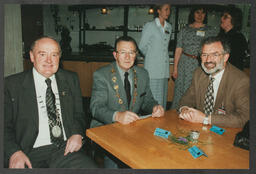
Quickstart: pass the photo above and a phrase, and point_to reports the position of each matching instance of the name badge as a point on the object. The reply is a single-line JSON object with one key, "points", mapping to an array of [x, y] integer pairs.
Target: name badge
{"points": [[200, 33], [217, 130], [196, 152], [162, 133]]}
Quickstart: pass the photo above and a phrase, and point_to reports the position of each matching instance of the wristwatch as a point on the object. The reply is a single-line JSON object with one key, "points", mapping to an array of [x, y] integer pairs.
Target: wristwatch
{"points": [[206, 120]]}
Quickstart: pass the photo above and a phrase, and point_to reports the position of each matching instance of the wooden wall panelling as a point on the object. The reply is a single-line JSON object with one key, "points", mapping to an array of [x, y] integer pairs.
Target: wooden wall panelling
{"points": [[83, 69], [94, 67], [85, 73], [97, 65]]}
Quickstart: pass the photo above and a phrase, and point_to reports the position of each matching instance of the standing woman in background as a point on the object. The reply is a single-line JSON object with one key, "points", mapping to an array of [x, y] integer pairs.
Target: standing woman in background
{"points": [[187, 49], [154, 46], [231, 23]]}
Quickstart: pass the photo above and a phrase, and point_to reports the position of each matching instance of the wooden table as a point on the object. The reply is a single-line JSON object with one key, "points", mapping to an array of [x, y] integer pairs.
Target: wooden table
{"points": [[135, 145]]}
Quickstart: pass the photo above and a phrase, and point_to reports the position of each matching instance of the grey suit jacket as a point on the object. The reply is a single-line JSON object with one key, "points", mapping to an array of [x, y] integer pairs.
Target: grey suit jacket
{"points": [[21, 112], [154, 45], [233, 95], [105, 101]]}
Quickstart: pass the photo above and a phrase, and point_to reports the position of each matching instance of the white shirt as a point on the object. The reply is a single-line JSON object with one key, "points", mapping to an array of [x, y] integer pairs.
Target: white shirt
{"points": [[216, 83], [43, 137], [122, 72], [159, 24]]}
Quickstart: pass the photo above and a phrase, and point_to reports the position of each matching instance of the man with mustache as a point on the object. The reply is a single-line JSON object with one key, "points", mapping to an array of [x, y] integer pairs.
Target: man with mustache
{"points": [[228, 104], [121, 91]]}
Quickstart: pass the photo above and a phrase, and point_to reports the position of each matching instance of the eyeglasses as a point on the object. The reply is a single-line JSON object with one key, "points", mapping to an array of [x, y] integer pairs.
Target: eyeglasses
{"points": [[123, 53], [214, 55]]}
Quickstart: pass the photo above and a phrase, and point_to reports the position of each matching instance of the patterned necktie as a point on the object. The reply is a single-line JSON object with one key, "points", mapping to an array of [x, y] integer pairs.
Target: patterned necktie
{"points": [[209, 98], [127, 87], [53, 116]]}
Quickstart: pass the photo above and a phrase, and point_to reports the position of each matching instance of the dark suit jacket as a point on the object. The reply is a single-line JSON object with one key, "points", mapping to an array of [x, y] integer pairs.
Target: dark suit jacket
{"points": [[21, 112], [104, 101], [233, 95]]}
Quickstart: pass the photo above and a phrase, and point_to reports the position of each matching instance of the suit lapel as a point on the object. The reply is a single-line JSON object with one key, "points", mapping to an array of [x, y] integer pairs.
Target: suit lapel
{"points": [[222, 89], [133, 96], [167, 35], [29, 99], [119, 83], [159, 29], [63, 89], [203, 87], [163, 34]]}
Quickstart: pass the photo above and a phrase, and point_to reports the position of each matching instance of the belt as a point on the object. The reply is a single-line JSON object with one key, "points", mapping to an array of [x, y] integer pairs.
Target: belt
{"points": [[189, 55]]}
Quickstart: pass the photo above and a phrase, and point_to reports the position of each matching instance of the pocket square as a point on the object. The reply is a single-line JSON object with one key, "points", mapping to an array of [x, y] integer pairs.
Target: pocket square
{"points": [[144, 93], [221, 110]]}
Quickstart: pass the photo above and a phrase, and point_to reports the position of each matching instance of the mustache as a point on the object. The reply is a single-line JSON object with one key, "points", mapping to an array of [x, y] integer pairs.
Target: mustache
{"points": [[207, 63]]}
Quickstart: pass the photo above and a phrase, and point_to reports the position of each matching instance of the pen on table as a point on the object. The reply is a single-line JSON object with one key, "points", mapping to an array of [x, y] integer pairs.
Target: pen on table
{"points": [[145, 116]]}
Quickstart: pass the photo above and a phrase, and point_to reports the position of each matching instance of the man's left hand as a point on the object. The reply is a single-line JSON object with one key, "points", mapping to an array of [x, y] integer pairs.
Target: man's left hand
{"points": [[158, 111], [74, 143], [192, 115]]}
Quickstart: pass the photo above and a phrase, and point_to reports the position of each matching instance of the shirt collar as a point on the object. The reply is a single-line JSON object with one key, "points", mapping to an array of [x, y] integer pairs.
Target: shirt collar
{"points": [[40, 78], [121, 71], [158, 23], [218, 76]]}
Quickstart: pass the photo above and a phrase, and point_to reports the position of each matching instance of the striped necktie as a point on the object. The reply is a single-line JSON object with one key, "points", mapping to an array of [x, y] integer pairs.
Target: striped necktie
{"points": [[209, 98], [54, 121]]}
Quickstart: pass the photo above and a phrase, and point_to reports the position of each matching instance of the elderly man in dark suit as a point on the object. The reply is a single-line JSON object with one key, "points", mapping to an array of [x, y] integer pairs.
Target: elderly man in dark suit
{"points": [[120, 89], [219, 93], [43, 113]]}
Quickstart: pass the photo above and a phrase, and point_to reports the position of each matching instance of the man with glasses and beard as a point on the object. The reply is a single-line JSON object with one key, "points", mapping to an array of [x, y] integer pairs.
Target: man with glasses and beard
{"points": [[219, 93]]}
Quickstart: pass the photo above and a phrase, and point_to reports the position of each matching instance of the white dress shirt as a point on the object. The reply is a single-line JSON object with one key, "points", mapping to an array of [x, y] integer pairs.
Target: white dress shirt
{"points": [[216, 83], [43, 137]]}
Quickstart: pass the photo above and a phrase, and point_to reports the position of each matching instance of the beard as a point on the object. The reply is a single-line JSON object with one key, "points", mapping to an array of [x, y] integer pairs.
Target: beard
{"points": [[217, 67]]}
